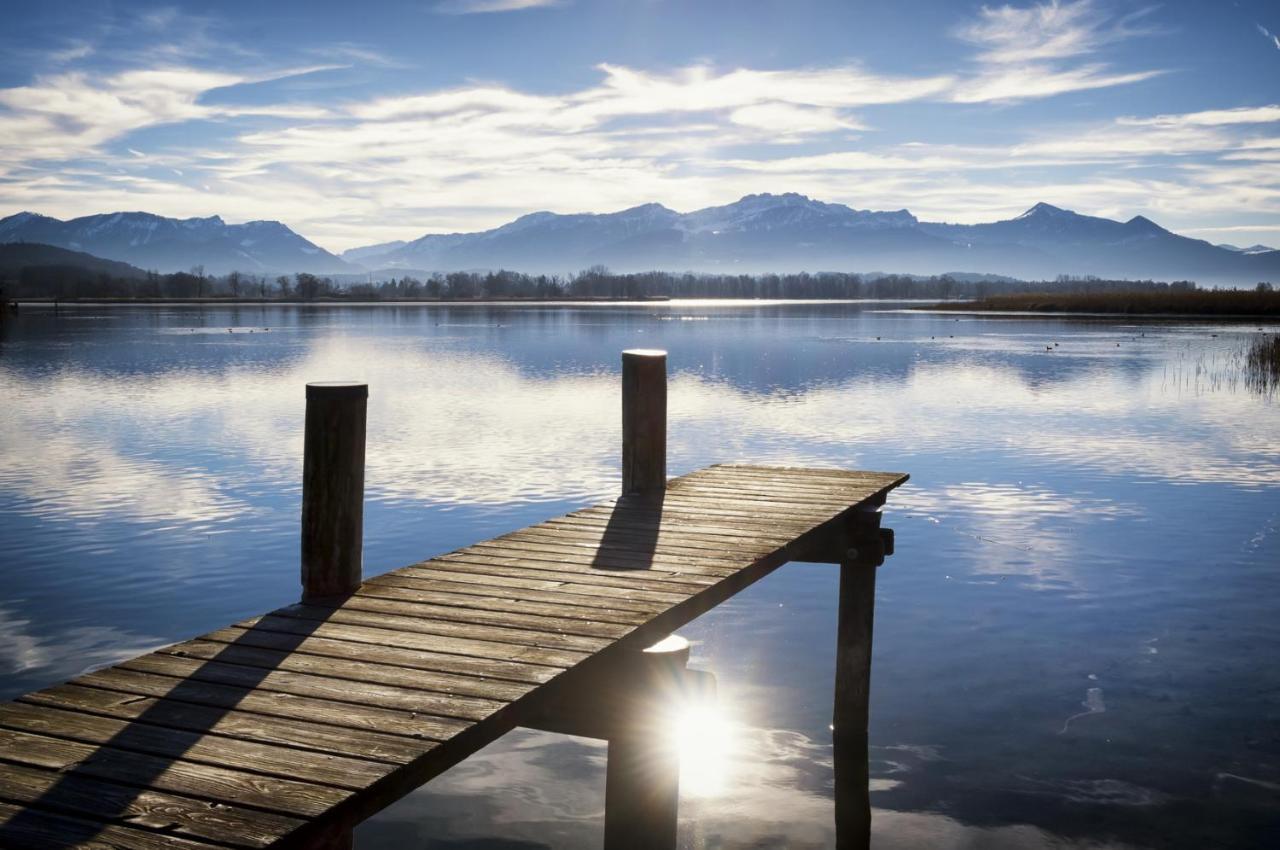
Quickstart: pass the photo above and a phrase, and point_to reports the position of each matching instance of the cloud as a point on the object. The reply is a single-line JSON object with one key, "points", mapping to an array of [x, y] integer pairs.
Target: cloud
{"points": [[1009, 83], [1269, 36], [473, 7], [1211, 117], [1011, 35], [789, 119], [1022, 51], [75, 113]]}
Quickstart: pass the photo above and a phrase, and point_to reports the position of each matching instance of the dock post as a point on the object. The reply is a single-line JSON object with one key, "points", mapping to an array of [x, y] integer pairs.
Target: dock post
{"points": [[644, 422], [333, 489], [850, 717], [642, 779]]}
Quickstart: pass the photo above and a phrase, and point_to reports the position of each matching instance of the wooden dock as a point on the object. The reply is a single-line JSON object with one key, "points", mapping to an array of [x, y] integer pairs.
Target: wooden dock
{"points": [[287, 729]]}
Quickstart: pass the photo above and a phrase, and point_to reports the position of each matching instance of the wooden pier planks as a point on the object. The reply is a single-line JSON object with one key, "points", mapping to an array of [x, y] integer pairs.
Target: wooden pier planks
{"points": [[275, 729]]}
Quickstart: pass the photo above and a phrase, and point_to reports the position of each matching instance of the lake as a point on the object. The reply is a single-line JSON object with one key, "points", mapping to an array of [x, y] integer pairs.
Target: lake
{"points": [[1075, 642]]}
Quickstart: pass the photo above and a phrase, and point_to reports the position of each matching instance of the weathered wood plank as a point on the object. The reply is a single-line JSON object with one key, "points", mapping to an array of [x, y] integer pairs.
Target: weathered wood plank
{"points": [[718, 558], [135, 736], [168, 814], [319, 687], [619, 584], [661, 540], [580, 567], [363, 632], [429, 728], [622, 528], [538, 590], [318, 737], [284, 796], [447, 628], [345, 642], [428, 681], [727, 526], [25, 828], [424, 606], [582, 562], [440, 593], [608, 556]]}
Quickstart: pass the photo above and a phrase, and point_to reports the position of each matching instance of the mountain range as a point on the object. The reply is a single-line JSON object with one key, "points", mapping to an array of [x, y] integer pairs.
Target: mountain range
{"points": [[172, 244], [758, 233]]}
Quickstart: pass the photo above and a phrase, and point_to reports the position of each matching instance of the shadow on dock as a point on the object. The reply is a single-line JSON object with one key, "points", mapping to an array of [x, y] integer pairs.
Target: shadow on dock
{"points": [[176, 717], [630, 537]]}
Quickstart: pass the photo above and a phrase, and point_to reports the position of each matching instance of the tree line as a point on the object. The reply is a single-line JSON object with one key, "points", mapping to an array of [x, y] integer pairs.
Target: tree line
{"points": [[72, 282]]}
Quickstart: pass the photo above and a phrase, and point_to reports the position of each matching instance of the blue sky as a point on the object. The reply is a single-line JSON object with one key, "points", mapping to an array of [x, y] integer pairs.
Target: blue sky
{"points": [[357, 123]]}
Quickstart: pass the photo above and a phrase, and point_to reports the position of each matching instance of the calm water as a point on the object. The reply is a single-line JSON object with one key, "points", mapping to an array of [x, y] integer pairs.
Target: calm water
{"points": [[1075, 643]]}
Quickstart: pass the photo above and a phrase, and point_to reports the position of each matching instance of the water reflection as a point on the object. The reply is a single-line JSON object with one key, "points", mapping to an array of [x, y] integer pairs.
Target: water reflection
{"points": [[461, 427], [1070, 511]]}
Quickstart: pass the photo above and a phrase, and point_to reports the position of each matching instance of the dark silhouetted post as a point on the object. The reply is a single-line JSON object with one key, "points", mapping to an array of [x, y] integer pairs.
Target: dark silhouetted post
{"points": [[333, 489], [642, 781], [853, 680], [644, 422]]}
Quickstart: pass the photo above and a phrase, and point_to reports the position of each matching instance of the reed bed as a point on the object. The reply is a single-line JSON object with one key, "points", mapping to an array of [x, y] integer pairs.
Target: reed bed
{"points": [[1262, 364], [1198, 302]]}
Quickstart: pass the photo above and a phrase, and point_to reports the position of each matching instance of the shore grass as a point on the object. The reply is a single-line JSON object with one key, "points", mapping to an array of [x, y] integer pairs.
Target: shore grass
{"points": [[1262, 363], [1199, 302]]}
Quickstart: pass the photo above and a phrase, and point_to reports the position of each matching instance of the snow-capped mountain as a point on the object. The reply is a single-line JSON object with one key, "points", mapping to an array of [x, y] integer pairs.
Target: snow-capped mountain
{"points": [[790, 232], [169, 244], [758, 233]]}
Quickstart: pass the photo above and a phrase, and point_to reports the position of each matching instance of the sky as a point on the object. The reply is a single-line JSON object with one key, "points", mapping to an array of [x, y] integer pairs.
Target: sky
{"points": [[362, 122]]}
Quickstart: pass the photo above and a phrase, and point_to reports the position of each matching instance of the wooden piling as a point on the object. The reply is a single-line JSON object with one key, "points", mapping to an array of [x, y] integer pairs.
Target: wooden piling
{"points": [[852, 693], [642, 780], [333, 489], [644, 422]]}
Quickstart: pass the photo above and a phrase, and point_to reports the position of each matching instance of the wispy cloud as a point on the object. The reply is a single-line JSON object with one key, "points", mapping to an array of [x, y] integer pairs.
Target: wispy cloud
{"points": [[1010, 35], [1031, 82], [1023, 52], [75, 113], [1211, 117], [1269, 36], [475, 7]]}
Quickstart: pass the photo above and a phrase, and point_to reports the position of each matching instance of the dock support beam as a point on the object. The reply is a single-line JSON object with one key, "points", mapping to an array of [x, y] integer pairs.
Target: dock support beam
{"points": [[333, 489], [642, 779], [644, 422], [866, 545], [850, 717], [632, 701]]}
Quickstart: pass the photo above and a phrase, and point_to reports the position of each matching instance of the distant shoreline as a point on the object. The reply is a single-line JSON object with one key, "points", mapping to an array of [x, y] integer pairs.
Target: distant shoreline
{"points": [[228, 301], [1232, 304]]}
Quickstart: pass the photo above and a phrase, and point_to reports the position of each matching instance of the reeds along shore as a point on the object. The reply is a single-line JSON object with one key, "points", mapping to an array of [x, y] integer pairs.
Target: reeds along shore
{"points": [[1263, 363], [1198, 302]]}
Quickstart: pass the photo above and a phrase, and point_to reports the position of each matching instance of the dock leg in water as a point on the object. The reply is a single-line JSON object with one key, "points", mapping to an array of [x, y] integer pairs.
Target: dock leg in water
{"points": [[853, 681], [642, 782]]}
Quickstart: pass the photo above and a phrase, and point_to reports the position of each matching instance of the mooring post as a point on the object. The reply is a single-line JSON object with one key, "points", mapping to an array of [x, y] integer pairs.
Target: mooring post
{"points": [[642, 780], [333, 489], [644, 422], [866, 544]]}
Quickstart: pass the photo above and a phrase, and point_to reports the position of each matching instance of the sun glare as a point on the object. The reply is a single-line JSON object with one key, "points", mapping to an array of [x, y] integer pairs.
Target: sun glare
{"points": [[704, 735]]}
